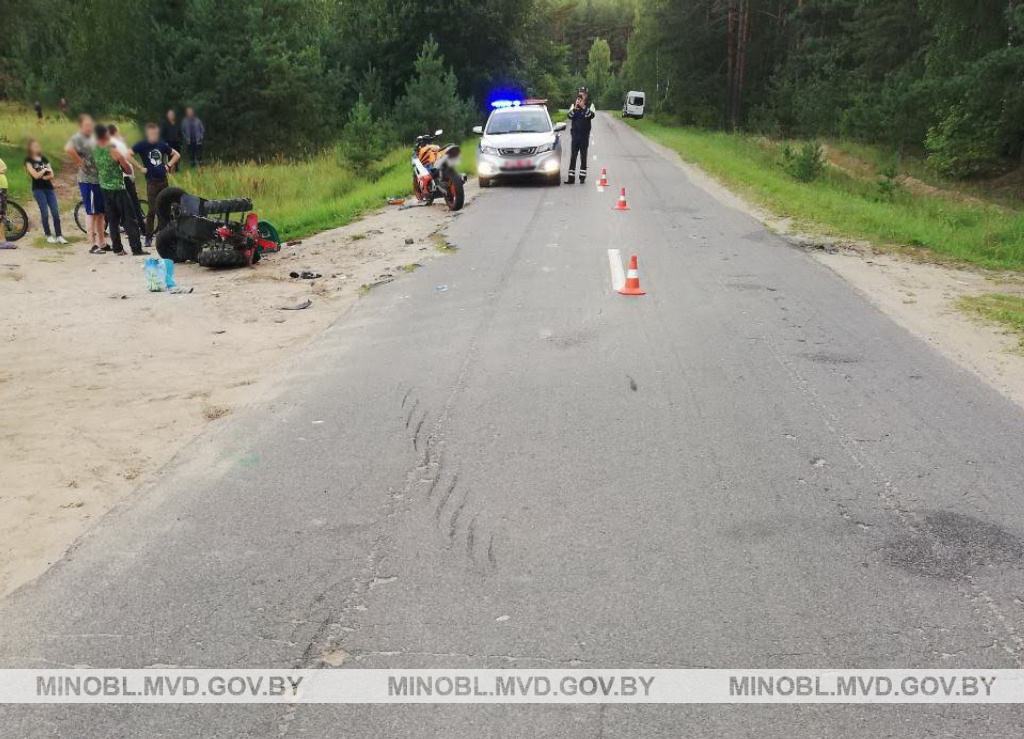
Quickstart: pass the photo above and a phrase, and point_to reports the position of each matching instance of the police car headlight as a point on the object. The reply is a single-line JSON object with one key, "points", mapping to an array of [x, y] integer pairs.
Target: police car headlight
{"points": [[488, 150], [545, 147]]}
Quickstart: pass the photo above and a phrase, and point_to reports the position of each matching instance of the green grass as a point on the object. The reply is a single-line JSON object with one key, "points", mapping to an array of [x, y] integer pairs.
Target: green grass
{"points": [[305, 197], [850, 205], [302, 197], [1007, 310]]}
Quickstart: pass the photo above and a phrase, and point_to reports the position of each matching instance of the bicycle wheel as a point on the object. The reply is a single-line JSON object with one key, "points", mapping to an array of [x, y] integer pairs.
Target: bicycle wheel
{"points": [[15, 222], [80, 216]]}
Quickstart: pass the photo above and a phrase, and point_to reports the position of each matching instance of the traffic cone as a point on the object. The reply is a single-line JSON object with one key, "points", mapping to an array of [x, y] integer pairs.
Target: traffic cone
{"points": [[603, 182], [621, 204], [632, 286]]}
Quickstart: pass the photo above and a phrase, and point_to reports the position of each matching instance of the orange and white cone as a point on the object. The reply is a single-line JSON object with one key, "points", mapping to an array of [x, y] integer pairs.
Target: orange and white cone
{"points": [[632, 285], [603, 182], [621, 204]]}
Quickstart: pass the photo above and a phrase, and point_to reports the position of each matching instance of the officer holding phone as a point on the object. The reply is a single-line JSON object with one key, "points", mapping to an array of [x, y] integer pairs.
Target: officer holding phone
{"points": [[581, 114]]}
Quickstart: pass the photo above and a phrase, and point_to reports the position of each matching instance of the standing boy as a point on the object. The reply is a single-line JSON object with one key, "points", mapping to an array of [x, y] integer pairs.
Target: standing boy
{"points": [[158, 158], [112, 168], [80, 149]]}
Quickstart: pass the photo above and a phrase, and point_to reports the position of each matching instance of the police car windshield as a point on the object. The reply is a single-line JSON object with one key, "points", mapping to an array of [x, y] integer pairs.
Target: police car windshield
{"points": [[523, 120]]}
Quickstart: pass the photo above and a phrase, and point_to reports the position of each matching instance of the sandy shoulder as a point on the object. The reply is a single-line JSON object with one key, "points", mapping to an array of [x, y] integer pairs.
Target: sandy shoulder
{"points": [[923, 298], [102, 382]]}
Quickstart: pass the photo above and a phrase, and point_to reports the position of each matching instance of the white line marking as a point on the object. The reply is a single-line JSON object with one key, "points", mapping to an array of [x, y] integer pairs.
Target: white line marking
{"points": [[615, 263]]}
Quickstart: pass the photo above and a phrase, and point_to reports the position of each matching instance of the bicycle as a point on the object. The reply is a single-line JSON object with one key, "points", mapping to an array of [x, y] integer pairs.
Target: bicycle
{"points": [[80, 215], [15, 221]]}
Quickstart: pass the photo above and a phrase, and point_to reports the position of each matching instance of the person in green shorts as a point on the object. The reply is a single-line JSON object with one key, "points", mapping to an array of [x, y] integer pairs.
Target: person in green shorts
{"points": [[112, 168]]}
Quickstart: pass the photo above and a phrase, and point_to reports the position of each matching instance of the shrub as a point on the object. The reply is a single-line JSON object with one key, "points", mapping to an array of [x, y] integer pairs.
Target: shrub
{"points": [[888, 187], [804, 164], [363, 142], [961, 145]]}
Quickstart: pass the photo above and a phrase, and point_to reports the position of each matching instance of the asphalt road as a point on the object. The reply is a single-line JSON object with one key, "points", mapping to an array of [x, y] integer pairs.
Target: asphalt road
{"points": [[748, 467]]}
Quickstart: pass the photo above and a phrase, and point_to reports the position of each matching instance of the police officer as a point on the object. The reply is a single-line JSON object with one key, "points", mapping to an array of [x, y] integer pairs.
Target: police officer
{"points": [[580, 116]]}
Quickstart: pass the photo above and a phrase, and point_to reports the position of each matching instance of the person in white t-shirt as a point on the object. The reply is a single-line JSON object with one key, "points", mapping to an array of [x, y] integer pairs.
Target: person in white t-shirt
{"points": [[117, 138]]}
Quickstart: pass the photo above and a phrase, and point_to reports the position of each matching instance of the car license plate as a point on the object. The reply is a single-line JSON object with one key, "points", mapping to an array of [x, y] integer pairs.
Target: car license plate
{"points": [[518, 164]]}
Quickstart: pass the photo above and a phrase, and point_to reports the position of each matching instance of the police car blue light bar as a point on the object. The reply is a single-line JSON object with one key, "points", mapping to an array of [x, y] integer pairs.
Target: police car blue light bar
{"points": [[516, 103]]}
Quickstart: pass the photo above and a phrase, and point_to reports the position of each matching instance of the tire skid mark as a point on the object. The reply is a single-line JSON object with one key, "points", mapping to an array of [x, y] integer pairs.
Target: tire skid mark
{"points": [[491, 557], [416, 433], [471, 539], [453, 523], [415, 405], [353, 598], [448, 494]]}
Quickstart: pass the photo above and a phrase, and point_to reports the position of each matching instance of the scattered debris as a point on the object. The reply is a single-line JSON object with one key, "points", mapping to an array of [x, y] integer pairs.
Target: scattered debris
{"points": [[410, 240], [213, 412], [441, 288], [305, 275], [182, 291], [296, 242], [301, 306], [396, 201]]}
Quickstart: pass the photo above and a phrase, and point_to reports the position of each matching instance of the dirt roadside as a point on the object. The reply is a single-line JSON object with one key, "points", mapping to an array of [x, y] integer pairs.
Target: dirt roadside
{"points": [[918, 295], [103, 382]]}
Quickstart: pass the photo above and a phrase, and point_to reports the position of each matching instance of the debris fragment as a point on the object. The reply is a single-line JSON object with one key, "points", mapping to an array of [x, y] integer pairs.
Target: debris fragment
{"points": [[301, 306]]}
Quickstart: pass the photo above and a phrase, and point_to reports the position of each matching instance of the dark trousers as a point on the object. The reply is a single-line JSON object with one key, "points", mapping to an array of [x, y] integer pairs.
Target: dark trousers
{"points": [[133, 197], [121, 214], [579, 148], [153, 189], [195, 153], [47, 202]]}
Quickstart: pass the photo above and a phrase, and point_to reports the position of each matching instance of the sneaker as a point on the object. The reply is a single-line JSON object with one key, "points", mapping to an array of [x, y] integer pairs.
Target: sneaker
{"points": [[95, 249], [141, 253], [61, 240], [120, 252], [571, 180], [583, 178], [51, 239], [149, 242]]}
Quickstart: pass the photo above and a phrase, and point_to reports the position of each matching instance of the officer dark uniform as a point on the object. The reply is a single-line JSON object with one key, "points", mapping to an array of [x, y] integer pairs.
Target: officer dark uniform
{"points": [[580, 119]]}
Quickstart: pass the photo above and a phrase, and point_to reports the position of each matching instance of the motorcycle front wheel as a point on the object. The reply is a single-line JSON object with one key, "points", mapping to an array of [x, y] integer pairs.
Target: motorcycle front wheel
{"points": [[454, 194]]}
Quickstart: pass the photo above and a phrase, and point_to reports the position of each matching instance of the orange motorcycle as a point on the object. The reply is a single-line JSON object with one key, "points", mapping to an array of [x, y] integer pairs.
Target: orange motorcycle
{"points": [[433, 172]]}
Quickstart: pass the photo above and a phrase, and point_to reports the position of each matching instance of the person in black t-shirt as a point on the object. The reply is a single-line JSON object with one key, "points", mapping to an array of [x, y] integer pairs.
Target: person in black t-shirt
{"points": [[41, 172], [158, 157], [170, 131]]}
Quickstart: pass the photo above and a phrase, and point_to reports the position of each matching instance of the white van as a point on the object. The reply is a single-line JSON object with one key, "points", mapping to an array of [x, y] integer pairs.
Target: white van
{"points": [[634, 105]]}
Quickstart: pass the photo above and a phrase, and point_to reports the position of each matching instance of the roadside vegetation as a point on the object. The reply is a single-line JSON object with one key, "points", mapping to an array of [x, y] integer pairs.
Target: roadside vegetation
{"points": [[1006, 310], [861, 200]]}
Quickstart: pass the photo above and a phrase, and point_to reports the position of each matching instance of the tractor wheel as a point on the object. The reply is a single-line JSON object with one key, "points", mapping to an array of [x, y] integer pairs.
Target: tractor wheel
{"points": [[166, 240], [221, 256], [167, 203], [268, 232]]}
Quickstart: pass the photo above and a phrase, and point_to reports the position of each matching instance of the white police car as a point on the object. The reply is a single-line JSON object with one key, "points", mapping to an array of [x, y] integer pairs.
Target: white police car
{"points": [[518, 140]]}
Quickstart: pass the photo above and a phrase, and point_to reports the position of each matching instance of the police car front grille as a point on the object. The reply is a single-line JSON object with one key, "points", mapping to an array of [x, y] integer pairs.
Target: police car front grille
{"points": [[527, 151]]}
